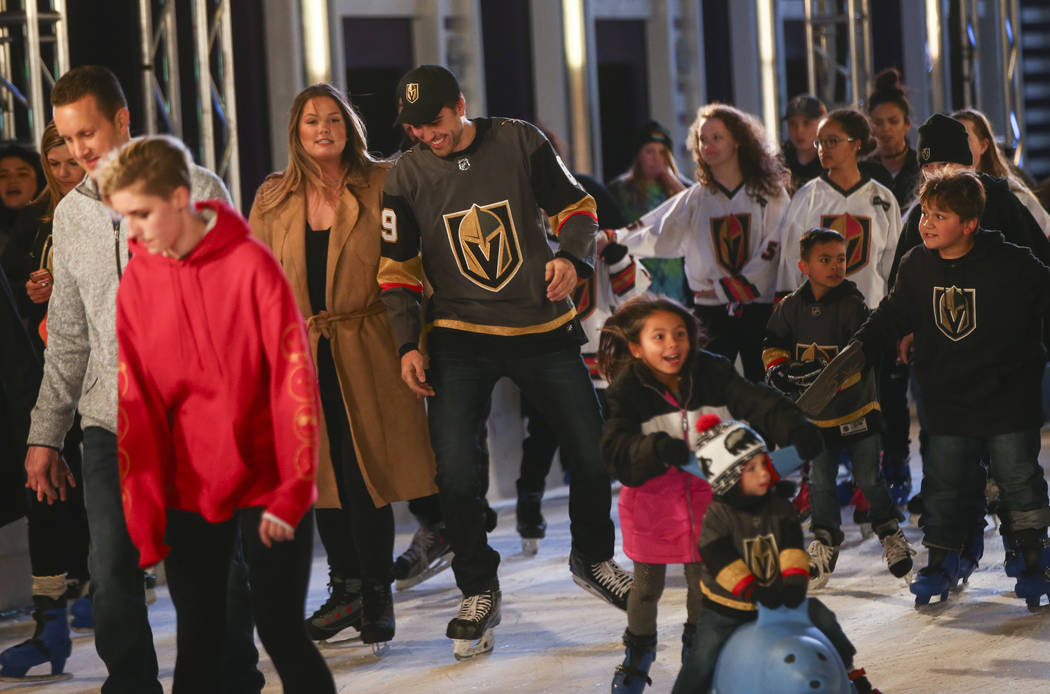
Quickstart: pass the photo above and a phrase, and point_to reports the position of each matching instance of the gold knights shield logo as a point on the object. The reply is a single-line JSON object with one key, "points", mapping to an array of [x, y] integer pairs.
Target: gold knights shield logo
{"points": [[732, 240], [815, 352], [763, 558], [412, 92], [857, 232], [485, 244], [955, 311]]}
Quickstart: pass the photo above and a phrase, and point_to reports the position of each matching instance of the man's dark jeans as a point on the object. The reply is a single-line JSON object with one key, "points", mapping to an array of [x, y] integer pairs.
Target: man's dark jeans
{"points": [[558, 385]]}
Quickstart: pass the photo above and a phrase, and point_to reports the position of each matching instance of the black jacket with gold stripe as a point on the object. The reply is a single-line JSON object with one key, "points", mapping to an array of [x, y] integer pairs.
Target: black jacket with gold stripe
{"points": [[475, 223], [747, 542], [803, 328]]}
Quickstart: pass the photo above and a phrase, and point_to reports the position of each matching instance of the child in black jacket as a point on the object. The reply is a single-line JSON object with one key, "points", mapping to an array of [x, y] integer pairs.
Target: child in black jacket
{"points": [[976, 305], [805, 332], [751, 547]]}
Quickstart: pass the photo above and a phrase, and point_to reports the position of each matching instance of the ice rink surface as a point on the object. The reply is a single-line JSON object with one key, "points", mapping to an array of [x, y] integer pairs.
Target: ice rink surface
{"points": [[557, 638]]}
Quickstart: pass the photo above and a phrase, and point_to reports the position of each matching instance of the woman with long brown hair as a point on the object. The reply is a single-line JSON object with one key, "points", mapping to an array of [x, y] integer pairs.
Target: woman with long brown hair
{"points": [[321, 218], [726, 229]]}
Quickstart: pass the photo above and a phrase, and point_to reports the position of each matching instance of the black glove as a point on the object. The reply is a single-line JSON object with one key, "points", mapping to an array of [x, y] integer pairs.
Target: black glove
{"points": [[672, 451], [808, 441], [777, 377], [768, 596], [794, 590], [803, 373]]}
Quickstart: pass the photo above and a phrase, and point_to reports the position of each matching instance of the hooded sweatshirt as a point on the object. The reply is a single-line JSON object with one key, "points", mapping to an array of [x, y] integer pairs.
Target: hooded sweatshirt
{"points": [[80, 364], [218, 404]]}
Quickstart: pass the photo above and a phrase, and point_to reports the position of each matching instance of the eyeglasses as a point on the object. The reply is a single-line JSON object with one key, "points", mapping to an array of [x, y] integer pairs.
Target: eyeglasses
{"points": [[831, 142]]}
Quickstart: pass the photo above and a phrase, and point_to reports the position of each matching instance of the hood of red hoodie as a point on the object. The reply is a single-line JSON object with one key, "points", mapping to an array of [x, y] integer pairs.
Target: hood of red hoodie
{"points": [[222, 234]]}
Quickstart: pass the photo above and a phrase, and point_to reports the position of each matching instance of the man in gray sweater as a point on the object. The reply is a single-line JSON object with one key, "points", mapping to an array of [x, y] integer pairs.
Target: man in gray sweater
{"points": [[80, 373]]}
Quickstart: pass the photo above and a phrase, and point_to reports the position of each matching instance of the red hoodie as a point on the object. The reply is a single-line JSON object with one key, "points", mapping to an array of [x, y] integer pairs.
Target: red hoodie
{"points": [[218, 406]]}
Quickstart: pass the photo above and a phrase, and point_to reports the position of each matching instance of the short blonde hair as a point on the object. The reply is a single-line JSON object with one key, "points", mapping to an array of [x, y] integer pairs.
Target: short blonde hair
{"points": [[157, 164]]}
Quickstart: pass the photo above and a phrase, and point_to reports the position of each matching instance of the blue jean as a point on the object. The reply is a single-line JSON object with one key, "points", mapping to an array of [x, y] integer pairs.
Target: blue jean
{"points": [[714, 629], [123, 637], [556, 384], [953, 486], [864, 454]]}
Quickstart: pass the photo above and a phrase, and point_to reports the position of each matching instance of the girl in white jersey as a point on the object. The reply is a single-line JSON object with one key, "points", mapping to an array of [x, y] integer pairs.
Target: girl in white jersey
{"points": [[863, 211], [726, 229]]}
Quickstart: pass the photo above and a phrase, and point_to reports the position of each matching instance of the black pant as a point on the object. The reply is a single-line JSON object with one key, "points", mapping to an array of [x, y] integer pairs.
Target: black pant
{"points": [[58, 533], [197, 567], [730, 335], [368, 532], [892, 381]]}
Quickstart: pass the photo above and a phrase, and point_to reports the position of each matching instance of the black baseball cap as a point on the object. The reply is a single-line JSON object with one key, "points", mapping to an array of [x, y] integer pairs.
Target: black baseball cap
{"points": [[422, 93], [943, 139], [805, 105]]}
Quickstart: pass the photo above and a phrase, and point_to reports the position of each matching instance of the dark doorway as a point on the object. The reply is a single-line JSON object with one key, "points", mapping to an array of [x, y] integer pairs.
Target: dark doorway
{"points": [[623, 89], [378, 52]]}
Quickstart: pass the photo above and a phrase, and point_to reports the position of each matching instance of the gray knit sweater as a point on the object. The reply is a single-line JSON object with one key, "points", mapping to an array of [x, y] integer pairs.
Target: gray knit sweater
{"points": [[80, 362]]}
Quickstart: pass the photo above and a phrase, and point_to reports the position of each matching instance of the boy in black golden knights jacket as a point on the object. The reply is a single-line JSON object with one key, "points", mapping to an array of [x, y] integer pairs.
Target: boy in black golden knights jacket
{"points": [[807, 329], [751, 548]]}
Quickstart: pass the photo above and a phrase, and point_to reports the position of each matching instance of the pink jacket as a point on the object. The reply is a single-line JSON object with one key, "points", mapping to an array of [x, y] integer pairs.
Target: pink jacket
{"points": [[660, 520]]}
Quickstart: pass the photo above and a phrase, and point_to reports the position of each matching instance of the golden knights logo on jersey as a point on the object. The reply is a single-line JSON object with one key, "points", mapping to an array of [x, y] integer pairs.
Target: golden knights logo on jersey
{"points": [[763, 558], [815, 352], [732, 241], [485, 244], [857, 233], [584, 297], [955, 311]]}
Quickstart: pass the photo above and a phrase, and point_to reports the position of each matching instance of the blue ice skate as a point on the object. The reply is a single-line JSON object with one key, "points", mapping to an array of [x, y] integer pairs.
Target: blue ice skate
{"points": [[633, 674], [83, 619], [780, 652], [1028, 559], [971, 555], [1014, 562], [941, 576], [50, 644], [1032, 586]]}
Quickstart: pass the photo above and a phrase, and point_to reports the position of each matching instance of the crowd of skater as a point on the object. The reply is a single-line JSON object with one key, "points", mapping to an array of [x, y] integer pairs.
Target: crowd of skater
{"points": [[199, 388]]}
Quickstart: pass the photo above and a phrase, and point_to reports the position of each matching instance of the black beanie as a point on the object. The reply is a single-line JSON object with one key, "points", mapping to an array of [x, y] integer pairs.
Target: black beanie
{"points": [[943, 139], [652, 132]]}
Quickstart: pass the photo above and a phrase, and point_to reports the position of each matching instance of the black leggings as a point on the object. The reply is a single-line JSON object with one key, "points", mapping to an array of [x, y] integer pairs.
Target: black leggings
{"points": [[359, 538], [197, 570], [58, 533]]}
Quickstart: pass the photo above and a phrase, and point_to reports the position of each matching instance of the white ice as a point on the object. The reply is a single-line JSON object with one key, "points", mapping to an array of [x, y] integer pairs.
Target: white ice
{"points": [[557, 638]]}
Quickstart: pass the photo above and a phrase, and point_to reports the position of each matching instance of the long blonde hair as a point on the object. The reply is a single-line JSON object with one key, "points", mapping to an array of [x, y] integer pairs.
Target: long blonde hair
{"points": [[52, 191], [302, 169]]}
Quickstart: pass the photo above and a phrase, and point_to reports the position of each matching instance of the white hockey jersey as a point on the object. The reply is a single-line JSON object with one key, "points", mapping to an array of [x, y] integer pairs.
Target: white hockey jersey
{"points": [[599, 295], [728, 239], [866, 215]]}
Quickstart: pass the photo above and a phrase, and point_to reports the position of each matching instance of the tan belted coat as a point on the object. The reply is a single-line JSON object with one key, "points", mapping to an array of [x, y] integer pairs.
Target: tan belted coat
{"points": [[387, 421]]}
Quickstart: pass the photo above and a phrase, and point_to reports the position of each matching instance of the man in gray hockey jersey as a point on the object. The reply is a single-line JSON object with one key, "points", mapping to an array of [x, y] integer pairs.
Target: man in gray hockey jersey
{"points": [[469, 207]]}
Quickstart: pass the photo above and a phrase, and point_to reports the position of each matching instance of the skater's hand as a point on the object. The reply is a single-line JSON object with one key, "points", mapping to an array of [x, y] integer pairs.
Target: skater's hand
{"points": [[47, 474], [39, 286], [560, 276], [794, 590], [270, 532], [671, 451], [906, 348], [768, 596], [414, 375]]}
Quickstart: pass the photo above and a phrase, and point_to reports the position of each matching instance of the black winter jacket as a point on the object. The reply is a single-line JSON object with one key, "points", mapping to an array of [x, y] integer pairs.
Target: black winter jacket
{"points": [[978, 324]]}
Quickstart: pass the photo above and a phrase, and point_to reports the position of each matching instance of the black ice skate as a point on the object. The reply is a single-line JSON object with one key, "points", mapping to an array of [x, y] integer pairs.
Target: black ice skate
{"points": [[472, 629], [895, 549], [532, 527], [341, 611], [604, 579], [429, 553], [377, 620], [823, 555]]}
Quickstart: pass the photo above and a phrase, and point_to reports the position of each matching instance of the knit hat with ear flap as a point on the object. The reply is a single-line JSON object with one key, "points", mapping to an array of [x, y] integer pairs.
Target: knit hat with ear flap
{"points": [[723, 449]]}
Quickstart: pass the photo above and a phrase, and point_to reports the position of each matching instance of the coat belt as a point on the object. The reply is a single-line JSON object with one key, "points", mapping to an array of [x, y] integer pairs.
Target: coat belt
{"points": [[322, 322]]}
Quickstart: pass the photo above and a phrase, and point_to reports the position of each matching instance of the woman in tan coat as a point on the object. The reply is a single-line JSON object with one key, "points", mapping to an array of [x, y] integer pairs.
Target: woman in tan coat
{"points": [[320, 216]]}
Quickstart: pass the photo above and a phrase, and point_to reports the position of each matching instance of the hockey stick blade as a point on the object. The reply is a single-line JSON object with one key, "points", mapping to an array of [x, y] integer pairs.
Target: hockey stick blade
{"points": [[815, 398]]}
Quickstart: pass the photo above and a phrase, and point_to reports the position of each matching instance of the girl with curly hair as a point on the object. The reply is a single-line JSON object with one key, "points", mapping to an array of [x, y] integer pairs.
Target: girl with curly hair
{"points": [[726, 229]]}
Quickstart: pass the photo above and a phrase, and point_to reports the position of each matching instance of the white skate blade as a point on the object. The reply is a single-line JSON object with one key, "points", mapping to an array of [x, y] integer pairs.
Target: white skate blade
{"points": [[38, 678], [530, 546], [380, 649], [440, 564], [464, 649], [343, 639], [819, 582]]}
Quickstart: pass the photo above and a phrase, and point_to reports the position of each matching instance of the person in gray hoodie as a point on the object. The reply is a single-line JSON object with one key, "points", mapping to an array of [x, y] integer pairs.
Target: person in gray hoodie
{"points": [[81, 373]]}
